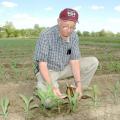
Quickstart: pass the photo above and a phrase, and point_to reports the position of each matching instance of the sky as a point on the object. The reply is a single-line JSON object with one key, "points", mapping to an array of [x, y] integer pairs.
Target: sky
{"points": [[94, 15]]}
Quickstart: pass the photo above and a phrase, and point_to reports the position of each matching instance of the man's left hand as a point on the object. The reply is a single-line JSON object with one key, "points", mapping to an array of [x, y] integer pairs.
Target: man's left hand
{"points": [[79, 91]]}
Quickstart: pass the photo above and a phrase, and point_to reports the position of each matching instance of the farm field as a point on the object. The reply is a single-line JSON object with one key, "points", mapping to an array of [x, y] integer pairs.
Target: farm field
{"points": [[17, 77]]}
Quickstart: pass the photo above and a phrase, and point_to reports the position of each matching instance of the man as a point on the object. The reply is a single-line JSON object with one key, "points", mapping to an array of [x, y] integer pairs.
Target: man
{"points": [[57, 55]]}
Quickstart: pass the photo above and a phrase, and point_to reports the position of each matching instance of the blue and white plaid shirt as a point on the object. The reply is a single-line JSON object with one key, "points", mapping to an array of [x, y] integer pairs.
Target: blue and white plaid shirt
{"points": [[56, 52]]}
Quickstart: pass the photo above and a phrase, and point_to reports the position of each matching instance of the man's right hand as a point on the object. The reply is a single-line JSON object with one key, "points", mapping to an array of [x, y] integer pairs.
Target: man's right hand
{"points": [[57, 92]]}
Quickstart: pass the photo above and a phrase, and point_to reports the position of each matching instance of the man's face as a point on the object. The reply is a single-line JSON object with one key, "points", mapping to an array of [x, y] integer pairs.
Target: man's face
{"points": [[66, 27]]}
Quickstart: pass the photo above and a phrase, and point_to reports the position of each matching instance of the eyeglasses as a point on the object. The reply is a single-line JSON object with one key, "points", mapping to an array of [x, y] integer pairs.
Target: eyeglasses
{"points": [[69, 28]]}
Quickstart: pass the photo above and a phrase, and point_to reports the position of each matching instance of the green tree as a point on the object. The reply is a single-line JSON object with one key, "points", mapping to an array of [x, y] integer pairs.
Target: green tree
{"points": [[109, 34], [102, 33], [79, 33], [17, 33], [86, 34], [93, 34], [9, 29], [2, 33], [118, 34]]}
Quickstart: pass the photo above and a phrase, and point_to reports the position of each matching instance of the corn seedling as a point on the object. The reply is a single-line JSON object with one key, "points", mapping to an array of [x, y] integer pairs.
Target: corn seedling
{"points": [[2, 71], [48, 99], [73, 101], [13, 64], [72, 97], [4, 105], [27, 105], [15, 69], [115, 91], [95, 93], [114, 66]]}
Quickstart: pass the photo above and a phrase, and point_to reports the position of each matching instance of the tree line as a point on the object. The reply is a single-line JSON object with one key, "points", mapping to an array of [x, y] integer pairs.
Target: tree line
{"points": [[8, 30]]}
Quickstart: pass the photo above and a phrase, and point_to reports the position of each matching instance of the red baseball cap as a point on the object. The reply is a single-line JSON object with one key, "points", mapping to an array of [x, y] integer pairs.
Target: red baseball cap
{"points": [[69, 14]]}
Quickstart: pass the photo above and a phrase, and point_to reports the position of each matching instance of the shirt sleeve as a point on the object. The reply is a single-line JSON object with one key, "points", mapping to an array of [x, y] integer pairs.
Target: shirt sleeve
{"points": [[42, 48], [75, 51]]}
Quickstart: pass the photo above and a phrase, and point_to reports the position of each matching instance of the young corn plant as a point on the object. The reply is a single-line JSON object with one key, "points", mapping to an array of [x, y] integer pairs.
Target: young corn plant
{"points": [[73, 102], [27, 105], [115, 92], [4, 106], [72, 97], [1, 70], [15, 69], [2, 73], [48, 99], [95, 92]]}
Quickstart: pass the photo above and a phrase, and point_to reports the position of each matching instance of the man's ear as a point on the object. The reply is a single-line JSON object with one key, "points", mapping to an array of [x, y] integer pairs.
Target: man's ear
{"points": [[58, 21]]}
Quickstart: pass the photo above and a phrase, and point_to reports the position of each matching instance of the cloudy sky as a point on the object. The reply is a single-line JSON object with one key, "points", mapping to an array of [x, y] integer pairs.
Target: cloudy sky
{"points": [[94, 14]]}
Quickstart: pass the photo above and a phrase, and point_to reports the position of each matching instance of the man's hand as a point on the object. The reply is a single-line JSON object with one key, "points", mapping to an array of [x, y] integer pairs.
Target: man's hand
{"points": [[79, 91], [57, 92]]}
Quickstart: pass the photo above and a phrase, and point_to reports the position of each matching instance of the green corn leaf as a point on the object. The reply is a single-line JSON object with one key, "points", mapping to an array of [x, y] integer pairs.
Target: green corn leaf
{"points": [[73, 100], [34, 106], [47, 95], [40, 94], [4, 104], [30, 100], [26, 101], [117, 85]]}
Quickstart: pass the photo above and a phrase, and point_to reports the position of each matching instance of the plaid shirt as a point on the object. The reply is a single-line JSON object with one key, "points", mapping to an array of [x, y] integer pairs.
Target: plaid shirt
{"points": [[56, 52]]}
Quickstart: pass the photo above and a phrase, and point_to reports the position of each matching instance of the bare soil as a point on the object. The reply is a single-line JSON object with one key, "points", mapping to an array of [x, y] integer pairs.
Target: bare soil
{"points": [[106, 110]]}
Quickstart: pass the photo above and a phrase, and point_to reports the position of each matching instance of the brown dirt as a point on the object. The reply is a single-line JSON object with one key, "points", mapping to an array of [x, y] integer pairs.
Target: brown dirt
{"points": [[107, 110]]}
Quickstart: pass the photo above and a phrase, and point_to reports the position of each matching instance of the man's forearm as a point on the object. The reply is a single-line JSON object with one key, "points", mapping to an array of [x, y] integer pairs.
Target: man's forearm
{"points": [[75, 65], [44, 72]]}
